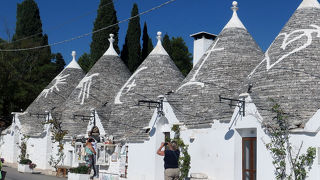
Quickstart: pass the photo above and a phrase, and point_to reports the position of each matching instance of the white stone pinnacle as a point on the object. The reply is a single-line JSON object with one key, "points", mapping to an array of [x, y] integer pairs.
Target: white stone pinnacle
{"points": [[235, 6], [234, 21], [159, 48], [73, 54], [111, 50], [159, 36], [73, 64], [309, 4]]}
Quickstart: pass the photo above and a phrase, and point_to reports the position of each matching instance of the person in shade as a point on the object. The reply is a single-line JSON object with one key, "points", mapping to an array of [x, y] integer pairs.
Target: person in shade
{"points": [[0, 168], [171, 157], [89, 158]]}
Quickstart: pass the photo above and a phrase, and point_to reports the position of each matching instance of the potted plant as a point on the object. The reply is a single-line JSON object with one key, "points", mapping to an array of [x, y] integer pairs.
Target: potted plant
{"points": [[26, 165], [32, 166], [79, 173]]}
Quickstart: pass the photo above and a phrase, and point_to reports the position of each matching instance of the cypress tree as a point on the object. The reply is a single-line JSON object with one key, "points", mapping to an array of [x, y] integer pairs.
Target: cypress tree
{"points": [[60, 63], [132, 43], [35, 67], [124, 53], [28, 20], [146, 43], [150, 46], [84, 62], [106, 16]]}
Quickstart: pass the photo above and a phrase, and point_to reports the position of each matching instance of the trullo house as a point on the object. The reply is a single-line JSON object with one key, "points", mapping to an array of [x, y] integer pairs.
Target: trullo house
{"points": [[129, 120], [94, 91], [30, 127]]}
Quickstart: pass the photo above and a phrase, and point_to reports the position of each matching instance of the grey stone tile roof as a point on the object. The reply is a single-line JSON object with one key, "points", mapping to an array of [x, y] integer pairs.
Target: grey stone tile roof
{"points": [[95, 90], [221, 71], [289, 73], [52, 97], [155, 76]]}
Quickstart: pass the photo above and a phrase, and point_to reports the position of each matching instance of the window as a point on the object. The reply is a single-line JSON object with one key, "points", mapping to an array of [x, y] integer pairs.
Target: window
{"points": [[249, 158]]}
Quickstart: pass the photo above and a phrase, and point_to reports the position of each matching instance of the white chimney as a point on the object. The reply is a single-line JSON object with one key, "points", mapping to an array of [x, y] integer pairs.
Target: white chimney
{"points": [[202, 41]]}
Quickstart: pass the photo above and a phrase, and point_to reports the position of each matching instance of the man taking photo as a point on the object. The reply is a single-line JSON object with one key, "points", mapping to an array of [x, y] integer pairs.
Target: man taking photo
{"points": [[171, 158]]}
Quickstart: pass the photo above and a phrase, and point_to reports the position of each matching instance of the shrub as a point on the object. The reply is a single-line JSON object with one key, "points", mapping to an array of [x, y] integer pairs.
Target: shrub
{"points": [[25, 161], [80, 170]]}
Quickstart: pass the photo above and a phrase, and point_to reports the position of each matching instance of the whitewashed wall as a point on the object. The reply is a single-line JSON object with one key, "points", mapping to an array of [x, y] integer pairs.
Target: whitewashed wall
{"points": [[217, 151], [143, 162], [39, 149], [9, 145], [9, 142]]}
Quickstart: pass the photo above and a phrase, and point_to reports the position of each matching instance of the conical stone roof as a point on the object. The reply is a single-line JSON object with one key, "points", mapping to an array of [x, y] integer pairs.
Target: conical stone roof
{"points": [[52, 97], [289, 72], [156, 76], [221, 71], [96, 89]]}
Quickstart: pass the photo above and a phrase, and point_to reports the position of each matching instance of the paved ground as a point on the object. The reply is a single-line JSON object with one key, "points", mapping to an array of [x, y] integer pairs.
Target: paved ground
{"points": [[13, 174]]}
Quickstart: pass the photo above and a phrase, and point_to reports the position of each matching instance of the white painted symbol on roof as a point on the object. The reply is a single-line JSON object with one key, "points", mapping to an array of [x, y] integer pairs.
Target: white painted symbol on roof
{"points": [[126, 85], [85, 85], [305, 33], [193, 81], [60, 79], [129, 86]]}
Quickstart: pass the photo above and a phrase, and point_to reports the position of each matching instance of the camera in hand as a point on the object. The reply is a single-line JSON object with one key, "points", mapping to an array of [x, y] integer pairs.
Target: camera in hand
{"points": [[165, 143]]}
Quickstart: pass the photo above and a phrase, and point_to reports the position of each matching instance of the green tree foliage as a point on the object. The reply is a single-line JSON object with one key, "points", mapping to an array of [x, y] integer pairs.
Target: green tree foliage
{"points": [[166, 43], [178, 51], [132, 42], [84, 62], [147, 45], [106, 16], [9, 79], [28, 20], [60, 63], [25, 73], [150, 46], [35, 66], [124, 53]]}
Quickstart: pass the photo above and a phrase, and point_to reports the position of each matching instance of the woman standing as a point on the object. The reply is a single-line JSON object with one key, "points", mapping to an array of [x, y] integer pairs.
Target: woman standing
{"points": [[90, 152], [0, 169]]}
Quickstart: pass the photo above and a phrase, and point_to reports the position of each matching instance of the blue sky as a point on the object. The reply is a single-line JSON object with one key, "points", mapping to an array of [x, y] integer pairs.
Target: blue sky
{"points": [[263, 19]]}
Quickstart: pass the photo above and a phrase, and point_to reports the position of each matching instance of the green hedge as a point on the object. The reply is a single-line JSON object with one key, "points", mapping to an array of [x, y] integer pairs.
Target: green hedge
{"points": [[25, 161], [80, 170]]}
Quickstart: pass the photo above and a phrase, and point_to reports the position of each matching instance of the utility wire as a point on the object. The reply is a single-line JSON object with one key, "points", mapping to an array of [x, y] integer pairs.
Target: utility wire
{"points": [[87, 34], [60, 25]]}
